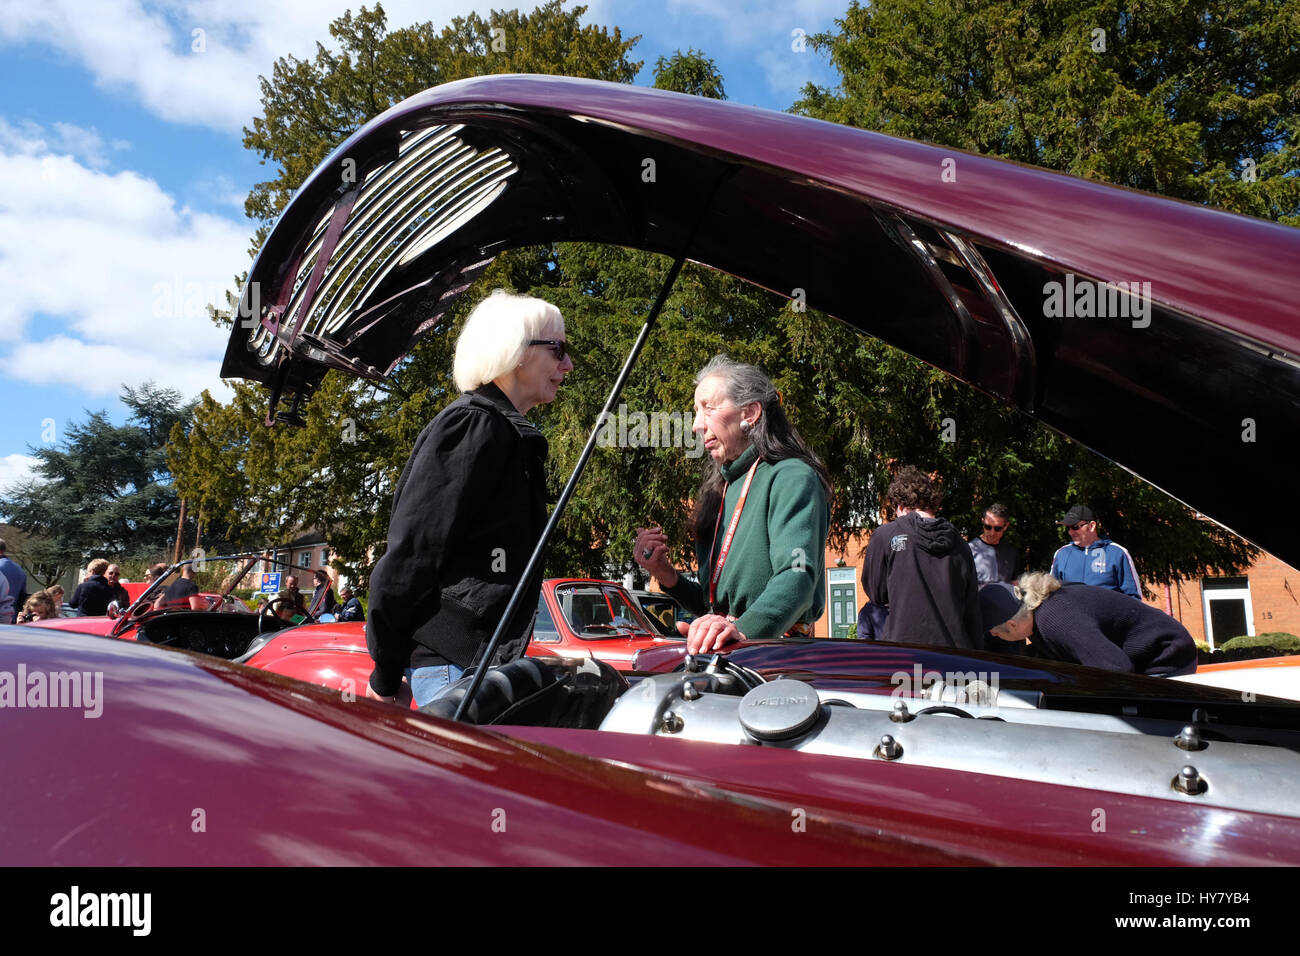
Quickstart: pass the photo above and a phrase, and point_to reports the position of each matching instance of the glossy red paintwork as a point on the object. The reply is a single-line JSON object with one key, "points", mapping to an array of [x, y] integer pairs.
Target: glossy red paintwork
{"points": [[77, 625], [793, 202], [331, 655], [277, 772]]}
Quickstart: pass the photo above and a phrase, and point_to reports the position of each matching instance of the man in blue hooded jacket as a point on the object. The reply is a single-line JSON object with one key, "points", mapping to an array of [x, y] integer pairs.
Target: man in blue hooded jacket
{"points": [[1092, 559]]}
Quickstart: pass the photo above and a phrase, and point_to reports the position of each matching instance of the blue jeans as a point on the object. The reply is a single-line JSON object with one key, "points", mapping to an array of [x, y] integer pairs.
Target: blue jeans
{"points": [[427, 681]]}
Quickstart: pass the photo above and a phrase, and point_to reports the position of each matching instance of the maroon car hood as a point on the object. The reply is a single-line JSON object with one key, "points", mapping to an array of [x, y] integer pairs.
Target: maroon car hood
{"points": [[944, 254]]}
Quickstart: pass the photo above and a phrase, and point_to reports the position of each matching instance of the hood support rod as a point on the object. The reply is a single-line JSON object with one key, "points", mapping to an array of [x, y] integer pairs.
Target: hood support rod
{"points": [[534, 562]]}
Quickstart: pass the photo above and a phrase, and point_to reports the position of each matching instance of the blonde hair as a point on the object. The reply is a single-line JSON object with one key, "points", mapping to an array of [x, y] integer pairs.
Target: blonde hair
{"points": [[40, 603], [1033, 588], [496, 334], [98, 566]]}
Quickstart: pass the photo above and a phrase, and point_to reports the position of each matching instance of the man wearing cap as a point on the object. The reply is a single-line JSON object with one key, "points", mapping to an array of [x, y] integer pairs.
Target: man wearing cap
{"points": [[1092, 559]]}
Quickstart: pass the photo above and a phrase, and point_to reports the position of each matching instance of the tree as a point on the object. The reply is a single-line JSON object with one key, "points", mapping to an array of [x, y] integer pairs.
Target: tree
{"points": [[106, 490], [1193, 101], [1198, 101], [690, 72]]}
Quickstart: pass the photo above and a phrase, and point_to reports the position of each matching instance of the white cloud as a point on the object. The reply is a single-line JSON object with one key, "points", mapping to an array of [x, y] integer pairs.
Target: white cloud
{"points": [[102, 369], [15, 468], [123, 272], [64, 139], [208, 77], [786, 72]]}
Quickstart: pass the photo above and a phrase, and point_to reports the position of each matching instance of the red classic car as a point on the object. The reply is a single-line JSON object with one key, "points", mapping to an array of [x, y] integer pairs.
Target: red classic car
{"points": [[780, 751], [581, 617], [576, 618], [141, 621]]}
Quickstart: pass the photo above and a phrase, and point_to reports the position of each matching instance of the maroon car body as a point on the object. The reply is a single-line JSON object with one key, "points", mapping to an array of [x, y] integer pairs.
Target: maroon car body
{"points": [[704, 765], [240, 767]]}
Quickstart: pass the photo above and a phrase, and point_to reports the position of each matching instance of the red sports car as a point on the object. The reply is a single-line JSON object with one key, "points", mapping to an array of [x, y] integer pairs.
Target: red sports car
{"points": [[580, 617], [781, 751], [141, 620], [577, 618]]}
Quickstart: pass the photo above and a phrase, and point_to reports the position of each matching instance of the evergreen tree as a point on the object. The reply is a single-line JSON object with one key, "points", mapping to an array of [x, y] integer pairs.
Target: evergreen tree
{"points": [[106, 490]]}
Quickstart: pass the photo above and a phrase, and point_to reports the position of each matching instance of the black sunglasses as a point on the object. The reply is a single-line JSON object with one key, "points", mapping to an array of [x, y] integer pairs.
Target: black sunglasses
{"points": [[559, 347], [1076, 527], [994, 527]]}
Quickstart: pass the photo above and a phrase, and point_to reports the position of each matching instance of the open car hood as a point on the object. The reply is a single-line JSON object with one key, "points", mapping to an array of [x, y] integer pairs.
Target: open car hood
{"points": [[944, 254]]}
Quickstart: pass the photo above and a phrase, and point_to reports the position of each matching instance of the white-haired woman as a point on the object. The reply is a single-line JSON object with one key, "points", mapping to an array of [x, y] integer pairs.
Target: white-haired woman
{"points": [[761, 517], [1098, 627], [470, 505]]}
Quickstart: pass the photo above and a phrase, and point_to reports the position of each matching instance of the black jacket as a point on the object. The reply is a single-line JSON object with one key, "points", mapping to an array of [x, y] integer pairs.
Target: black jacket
{"points": [[350, 610], [322, 603], [922, 571], [93, 595], [467, 512]]}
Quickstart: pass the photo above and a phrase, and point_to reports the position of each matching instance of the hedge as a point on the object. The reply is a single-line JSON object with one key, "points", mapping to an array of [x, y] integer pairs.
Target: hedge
{"points": [[1250, 647]]}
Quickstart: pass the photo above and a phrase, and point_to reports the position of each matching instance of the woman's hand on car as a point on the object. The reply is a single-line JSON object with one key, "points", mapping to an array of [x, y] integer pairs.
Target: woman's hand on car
{"points": [[711, 632], [651, 552]]}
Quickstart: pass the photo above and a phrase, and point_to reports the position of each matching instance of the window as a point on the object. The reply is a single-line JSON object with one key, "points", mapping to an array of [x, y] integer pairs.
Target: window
{"points": [[544, 626], [1227, 609], [324, 557], [596, 612], [304, 559]]}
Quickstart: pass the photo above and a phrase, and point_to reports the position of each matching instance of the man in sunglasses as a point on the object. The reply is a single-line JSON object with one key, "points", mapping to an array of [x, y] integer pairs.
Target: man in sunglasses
{"points": [[995, 559], [1092, 559]]}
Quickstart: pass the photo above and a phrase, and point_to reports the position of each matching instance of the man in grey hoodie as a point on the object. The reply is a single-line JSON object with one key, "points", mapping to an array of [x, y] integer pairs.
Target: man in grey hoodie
{"points": [[921, 569]]}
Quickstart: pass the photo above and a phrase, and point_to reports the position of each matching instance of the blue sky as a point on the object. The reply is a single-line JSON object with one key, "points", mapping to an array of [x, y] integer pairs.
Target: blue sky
{"points": [[121, 207]]}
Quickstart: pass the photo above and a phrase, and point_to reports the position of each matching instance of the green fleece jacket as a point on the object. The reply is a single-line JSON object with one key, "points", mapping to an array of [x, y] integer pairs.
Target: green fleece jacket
{"points": [[774, 570]]}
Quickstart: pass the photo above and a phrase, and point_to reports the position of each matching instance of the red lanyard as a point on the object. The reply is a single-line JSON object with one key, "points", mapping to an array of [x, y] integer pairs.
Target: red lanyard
{"points": [[731, 530]]}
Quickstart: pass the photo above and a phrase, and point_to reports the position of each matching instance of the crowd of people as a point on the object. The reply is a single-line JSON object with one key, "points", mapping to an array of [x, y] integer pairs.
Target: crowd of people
{"points": [[470, 506], [926, 585], [102, 592], [471, 503]]}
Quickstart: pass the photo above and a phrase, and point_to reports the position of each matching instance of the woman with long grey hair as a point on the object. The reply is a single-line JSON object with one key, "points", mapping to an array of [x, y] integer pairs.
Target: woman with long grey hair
{"points": [[761, 517]]}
